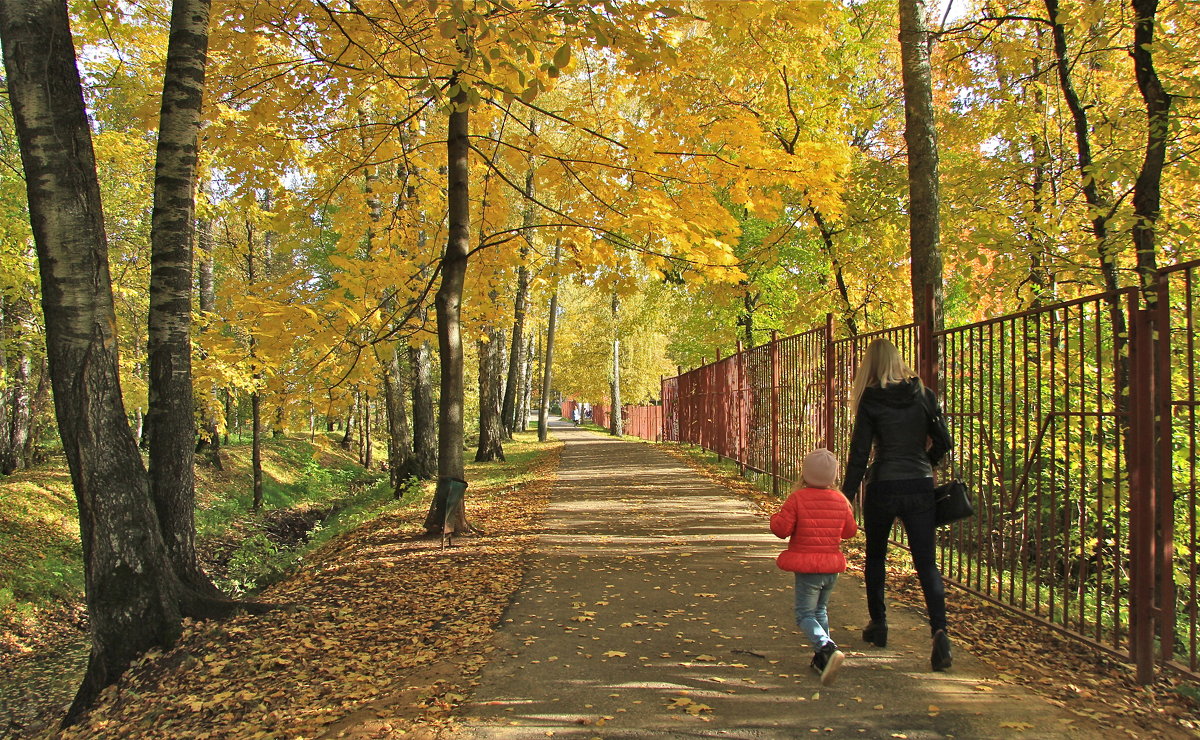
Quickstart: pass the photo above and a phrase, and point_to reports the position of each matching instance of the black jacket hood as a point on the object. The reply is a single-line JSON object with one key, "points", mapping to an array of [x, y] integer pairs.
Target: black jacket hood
{"points": [[898, 395]]}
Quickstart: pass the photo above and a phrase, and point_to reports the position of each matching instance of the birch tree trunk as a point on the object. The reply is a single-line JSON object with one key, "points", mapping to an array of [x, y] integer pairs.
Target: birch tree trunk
{"points": [[131, 589], [548, 360], [526, 394], [16, 404], [170, 414], [617, 424]]}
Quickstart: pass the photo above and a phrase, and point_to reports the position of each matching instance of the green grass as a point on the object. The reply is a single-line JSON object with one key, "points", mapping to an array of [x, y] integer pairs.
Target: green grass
{"points": [[312, 488], [41, 562], [39, 539]]}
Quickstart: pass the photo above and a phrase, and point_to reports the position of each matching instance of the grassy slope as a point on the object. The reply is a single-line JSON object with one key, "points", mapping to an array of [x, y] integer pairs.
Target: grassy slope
{"points": [[41, 574]]}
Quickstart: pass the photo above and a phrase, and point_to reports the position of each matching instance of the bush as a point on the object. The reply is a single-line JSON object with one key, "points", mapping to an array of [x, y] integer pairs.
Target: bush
{"points": [[256, 563]]}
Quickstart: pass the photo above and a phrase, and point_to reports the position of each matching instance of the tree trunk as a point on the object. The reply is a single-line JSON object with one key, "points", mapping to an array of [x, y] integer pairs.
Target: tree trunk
{"points": [[491, 428], [838, 276], [18, 402], [20, 418], [368, 451], [210, 438], [6, 337], [617, 424], [424, 423], [1096, 195], [1041, 277], [449, 307], [400, 452], [516, 355], [351, 416], [920, 136], [745, 318], [526, 394], [548, 360], [1092, 191], [256, 449], [170, 413], [131, 589], [1146, 191], [40, 396]]}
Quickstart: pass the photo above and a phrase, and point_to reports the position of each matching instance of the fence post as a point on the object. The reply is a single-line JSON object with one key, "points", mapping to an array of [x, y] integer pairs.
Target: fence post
{"points": [[775, 412], [717, 406], [1164, 483], [662, 409], [740, 403], [1141, 490], [680, 414], [829, 400]]}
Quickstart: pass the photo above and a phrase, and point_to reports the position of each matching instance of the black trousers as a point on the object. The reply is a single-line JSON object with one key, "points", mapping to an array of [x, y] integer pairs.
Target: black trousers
{"points": [[910, 501]]}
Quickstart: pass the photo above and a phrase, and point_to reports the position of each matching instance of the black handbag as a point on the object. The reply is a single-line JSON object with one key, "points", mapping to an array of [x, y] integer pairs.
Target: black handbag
{"points": [[953, 502]]}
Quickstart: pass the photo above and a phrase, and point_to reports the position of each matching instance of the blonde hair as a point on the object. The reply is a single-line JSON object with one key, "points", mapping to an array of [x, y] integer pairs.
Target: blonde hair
{"points": [[881, 365]]}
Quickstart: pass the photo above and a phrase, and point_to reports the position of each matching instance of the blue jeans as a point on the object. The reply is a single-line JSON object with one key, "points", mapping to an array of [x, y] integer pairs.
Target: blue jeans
{"points": [[910, 501], [812, 606]]}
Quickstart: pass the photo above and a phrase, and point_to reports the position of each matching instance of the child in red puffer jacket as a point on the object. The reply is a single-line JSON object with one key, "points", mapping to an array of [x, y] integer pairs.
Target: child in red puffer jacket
{"points": [[817, 517]]}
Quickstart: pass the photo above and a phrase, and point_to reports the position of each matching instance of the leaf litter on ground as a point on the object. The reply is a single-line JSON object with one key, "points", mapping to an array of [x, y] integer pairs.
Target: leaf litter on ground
{"points": [[384, 634]]}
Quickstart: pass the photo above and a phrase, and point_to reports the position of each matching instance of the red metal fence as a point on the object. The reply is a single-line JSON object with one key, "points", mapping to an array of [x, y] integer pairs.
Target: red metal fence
{"points": [[1077, 438], [1176, 370], [636, 421]]}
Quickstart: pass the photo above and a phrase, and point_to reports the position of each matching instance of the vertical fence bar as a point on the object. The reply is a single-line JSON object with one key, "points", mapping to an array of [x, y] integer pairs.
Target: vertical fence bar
{"points": [[739, 408], [830, 407], [1163, 484], [774, 430]]}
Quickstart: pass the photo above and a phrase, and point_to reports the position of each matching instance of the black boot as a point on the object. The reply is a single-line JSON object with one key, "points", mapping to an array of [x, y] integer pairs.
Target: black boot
{"points": [[876, 633], [940, 659], [827, 661]]}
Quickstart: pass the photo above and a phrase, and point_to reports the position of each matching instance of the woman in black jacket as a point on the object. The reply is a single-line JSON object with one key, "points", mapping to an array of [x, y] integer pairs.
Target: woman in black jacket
{"points": [[892, 414]]}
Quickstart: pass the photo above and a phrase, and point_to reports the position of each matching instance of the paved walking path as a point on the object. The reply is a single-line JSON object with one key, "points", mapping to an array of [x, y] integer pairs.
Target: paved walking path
{"points": [[654, 609]]}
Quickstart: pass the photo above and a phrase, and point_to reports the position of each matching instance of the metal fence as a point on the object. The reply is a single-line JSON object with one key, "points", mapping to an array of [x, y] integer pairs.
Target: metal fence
{"points": [[644, 422], [1177, 368], [1078, 440]]}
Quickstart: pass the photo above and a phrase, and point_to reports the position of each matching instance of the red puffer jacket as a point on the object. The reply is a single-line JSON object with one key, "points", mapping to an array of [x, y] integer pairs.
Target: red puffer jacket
{"points": [[817, 520]]}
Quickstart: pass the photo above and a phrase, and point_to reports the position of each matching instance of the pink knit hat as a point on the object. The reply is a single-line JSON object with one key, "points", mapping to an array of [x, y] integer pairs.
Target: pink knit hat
{"points": [[820, 469]]}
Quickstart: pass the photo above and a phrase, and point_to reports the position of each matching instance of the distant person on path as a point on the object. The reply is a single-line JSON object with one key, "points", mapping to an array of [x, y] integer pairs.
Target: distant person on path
{"points": [[575, 415], [817, 518], [892, 415]]}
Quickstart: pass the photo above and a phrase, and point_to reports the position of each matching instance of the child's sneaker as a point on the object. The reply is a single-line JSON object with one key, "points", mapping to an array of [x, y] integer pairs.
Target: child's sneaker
{"points": [[827, 661]]}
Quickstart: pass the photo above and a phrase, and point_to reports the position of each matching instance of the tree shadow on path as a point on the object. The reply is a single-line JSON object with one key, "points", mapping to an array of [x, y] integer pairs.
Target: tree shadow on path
{"points": [[653, 608]]}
